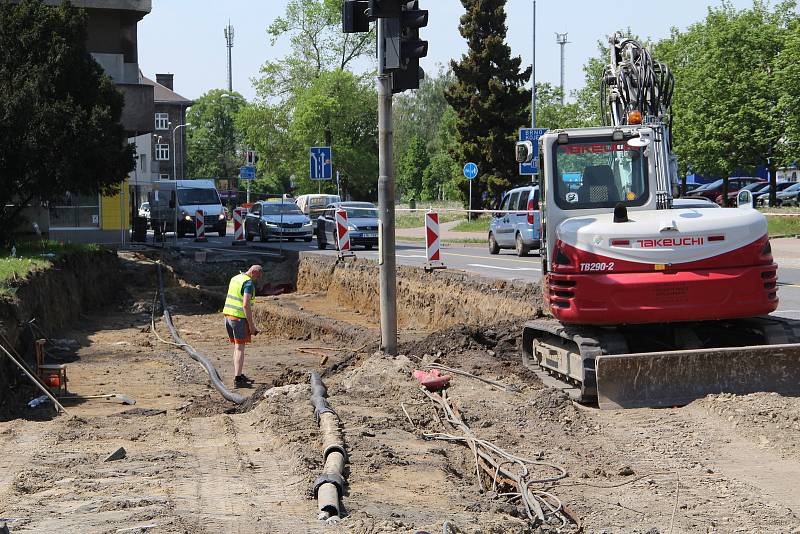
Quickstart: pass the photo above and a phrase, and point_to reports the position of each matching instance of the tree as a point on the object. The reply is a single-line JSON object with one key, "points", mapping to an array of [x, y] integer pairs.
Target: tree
{"points": [[551, 113], [212, 138], [59, 113], [412, 168], [727, 88], [788, 83], [489, 99]]}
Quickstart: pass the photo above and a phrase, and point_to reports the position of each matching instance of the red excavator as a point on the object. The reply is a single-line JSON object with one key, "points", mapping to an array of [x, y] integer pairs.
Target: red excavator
{"points": [[654, 301]]}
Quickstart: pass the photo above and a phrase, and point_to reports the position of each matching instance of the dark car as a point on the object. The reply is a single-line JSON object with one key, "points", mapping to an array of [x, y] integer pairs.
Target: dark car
{"points": [[755, 186], [281, 219], [789, 196], [761, 196], [714, 189], [362, 222]]}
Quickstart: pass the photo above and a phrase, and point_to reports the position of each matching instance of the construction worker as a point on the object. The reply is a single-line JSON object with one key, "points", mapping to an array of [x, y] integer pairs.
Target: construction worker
{"points": [[239, 322]]}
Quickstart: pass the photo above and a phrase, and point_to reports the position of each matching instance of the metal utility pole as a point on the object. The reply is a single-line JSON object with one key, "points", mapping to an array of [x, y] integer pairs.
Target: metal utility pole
{"points": [[533, 72], [386, 204], [229, 44], [561, 39]]}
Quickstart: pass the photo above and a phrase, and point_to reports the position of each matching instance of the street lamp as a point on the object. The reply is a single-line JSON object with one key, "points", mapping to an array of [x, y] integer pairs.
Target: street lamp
{"points": [[175, 153]]}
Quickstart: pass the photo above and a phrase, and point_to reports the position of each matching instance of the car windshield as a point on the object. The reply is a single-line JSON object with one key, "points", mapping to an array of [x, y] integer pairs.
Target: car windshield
{"points": [[754, 186], [361, 213], [600, 174], [792, 188], [196, 196], [712, 185], [278, 209]]}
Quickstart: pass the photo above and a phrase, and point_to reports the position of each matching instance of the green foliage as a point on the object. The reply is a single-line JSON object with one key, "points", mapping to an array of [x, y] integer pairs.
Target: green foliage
{"points": [[412, 168], [29, 258], [308, 98], [59, 113], [212, 138], [489, 99], [788, 80], [475, 225], [551, 113], [727, 70]]}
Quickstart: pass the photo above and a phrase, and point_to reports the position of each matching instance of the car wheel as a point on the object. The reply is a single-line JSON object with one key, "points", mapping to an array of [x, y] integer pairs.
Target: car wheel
{"points": [[307, 239], [522, 248], [292, 239], [494, 248]]}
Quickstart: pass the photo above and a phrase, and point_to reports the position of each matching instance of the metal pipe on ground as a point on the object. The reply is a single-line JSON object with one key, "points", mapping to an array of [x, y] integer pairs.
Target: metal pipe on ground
{"points": [[329, 486], [212, 372]]}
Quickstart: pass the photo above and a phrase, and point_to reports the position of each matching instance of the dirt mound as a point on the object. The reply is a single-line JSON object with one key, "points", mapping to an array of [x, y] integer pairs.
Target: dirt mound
{"points": [[424, 300]]}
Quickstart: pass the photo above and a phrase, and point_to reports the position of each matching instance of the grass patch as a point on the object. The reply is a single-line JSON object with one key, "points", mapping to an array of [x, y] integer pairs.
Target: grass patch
{"points": [[475, 225], [32, 256], [416, 219], [783, 225]]}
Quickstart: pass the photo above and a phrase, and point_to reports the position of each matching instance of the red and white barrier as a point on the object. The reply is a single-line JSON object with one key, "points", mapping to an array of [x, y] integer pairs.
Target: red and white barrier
{"points": [[200, 226], [432, 242], [342, 233], [238, 227]]}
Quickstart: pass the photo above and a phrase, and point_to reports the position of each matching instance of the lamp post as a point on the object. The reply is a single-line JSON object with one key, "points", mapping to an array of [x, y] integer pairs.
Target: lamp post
{"points": [[175, 153]]}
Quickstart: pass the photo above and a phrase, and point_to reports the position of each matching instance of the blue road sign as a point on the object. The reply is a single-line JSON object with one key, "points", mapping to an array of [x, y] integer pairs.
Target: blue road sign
{"points": [[321, 163], [470, 171], [532, 135], [248, 172]]}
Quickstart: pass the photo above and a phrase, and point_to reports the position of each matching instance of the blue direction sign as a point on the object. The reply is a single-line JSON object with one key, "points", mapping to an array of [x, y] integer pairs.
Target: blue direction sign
{"points": [[470, 171], [248, 172], [532, 135], [321, 163]]}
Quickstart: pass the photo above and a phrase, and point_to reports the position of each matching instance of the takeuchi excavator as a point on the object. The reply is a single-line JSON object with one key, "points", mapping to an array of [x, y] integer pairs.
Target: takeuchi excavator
{"points": [[652, 304]]}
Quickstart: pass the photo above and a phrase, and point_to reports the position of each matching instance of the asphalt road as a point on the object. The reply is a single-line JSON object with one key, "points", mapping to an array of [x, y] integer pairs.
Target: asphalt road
{"points": [[477, 260]]}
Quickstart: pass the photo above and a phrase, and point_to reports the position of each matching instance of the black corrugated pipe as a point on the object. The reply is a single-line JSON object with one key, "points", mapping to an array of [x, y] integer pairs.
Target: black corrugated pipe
{"points": [[329, 486], [212, 372]]}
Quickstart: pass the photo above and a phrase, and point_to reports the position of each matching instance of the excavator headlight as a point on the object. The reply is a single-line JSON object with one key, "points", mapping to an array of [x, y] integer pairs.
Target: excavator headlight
{"points": [[635, 117], [563, 138]]}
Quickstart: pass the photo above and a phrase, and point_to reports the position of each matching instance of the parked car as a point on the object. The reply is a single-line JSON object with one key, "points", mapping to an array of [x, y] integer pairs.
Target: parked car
{"points": [[520, 230], [691, 188], [362, 223], [279, 219], [761, 196], [314, 205], [732, 194], [714, 189], [789, 196], [144, 210]]}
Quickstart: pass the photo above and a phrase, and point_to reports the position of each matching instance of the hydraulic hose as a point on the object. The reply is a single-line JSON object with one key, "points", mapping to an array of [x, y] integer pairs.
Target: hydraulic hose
{"points": [[212, 372]]}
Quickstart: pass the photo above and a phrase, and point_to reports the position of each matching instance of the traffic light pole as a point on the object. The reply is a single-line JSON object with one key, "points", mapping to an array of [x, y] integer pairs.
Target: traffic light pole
{"points": [[386, 206]]}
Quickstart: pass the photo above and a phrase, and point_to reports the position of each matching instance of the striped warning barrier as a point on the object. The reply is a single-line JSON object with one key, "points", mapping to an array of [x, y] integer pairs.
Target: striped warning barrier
{"points": [[342, 233], [238, 227], [432, 242], [200, 226]]}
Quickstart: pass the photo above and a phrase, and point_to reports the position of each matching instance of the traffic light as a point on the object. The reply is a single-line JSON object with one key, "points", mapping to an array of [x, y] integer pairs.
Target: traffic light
{"points": [[355, 16], [385, 9], [412, 48]]}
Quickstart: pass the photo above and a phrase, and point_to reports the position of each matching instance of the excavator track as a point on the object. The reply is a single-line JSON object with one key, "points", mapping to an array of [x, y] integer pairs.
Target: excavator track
{"points": [[666, 365]]}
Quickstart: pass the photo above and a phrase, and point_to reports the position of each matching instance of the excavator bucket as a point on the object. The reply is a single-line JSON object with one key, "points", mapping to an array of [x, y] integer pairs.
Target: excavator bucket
{"points": [[676, 378]]}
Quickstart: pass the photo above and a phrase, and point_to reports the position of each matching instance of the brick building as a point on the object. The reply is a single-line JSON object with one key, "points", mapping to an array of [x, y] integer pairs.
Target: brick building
{"points": [[169, 154]]}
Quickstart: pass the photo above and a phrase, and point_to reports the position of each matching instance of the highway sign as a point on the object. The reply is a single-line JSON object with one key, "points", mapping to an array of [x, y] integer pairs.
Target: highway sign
{"points": [[532, 135], [321, 163], [470, 171], [248, 172]]}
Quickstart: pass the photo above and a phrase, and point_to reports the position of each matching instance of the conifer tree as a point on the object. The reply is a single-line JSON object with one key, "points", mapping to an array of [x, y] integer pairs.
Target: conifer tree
{"points": [[490, 101]]}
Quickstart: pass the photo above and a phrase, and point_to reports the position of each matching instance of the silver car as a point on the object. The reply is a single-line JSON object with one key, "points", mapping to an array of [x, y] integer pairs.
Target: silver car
{"points": [[520, 230], [362, 222], [277, 220]]}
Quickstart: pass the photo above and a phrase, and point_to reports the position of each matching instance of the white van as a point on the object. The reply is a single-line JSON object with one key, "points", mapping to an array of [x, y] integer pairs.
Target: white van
{"points": [[314, 205], [193, 195]]}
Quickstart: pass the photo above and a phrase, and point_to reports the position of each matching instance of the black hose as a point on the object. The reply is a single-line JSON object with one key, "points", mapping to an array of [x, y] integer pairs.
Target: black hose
{"points": [[212, 372]]}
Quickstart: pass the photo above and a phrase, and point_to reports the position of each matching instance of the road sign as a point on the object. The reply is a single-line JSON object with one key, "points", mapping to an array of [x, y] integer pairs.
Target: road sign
{"points": [[470, 171], [532, 135], [321, 163], [248, 172]]}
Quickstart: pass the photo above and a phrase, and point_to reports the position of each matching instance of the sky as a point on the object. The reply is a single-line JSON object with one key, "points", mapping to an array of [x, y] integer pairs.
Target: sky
{"points": [[185, 37]]}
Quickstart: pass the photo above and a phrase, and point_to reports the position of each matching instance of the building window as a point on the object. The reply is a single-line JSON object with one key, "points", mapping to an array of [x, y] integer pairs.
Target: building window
{"points": [[162, 152], [75, 211], [162, 121]]}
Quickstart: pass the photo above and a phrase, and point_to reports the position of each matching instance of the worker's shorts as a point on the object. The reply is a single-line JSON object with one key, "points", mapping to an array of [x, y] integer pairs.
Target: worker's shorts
{"points": [[238, 330]]}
